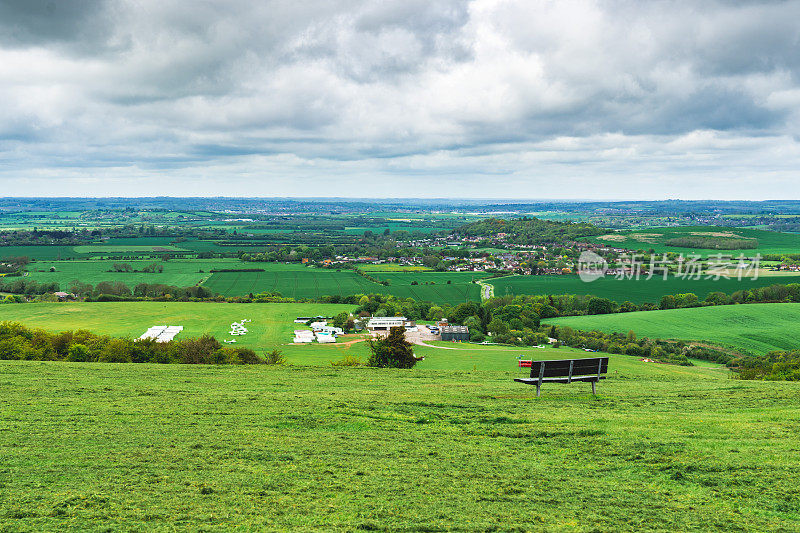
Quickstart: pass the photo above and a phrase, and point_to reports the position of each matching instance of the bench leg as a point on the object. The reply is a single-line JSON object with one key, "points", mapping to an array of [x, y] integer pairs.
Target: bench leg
{"points": [[594, 390], [538, 390]]}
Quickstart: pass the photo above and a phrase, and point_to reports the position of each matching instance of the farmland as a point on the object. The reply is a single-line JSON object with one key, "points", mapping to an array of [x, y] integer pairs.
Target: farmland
{"points": [[753, 328], [303, 282], [103, 446], [769, 242], [181, 273], [633, 290]]}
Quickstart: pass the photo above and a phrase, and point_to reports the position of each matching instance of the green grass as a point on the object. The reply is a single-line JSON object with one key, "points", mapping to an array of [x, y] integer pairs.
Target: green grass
{"points": [[297, 281], [769, 242], [636, 291], [271, 326], [124, 248], [178, 272], [163, 448], [755, 328], [40, 252]]}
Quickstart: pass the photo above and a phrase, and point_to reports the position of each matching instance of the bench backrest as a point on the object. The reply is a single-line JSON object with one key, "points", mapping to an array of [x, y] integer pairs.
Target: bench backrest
{"points": [[560, 368]]}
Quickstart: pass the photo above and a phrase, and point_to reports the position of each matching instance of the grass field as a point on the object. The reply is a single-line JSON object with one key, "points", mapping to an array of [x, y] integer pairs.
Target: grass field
{"points": [[179, 272], [769, 242], [125, 248], [302, 282], [636, 291], [271, 326], [164, 448], [755, 328]]}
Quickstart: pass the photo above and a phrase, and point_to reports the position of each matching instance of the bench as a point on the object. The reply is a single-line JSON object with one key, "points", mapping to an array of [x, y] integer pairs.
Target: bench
{"points": [[566, 371]]}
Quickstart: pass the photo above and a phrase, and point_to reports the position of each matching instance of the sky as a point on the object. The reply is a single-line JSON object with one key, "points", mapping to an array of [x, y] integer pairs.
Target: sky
{"points": [[523, 99]]}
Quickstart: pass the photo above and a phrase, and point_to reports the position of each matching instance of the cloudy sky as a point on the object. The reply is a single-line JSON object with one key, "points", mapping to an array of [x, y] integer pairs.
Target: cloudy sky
{"points": [[407, 98]]}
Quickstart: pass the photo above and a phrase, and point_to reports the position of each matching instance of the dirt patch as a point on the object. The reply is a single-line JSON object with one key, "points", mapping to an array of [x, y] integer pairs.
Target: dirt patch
{"points": [[649, 238], [614, 237], [716, 234]]}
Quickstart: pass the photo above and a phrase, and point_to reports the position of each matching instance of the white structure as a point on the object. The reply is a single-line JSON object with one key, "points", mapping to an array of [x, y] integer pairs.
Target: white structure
{"points": [[324, 338], [237, 328], [330, 330], [162, 333], [318, 325], [384, 323], [303, 336]]}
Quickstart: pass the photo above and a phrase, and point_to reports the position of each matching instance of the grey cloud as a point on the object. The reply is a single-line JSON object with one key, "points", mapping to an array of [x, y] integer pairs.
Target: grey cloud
{"points": [[414, 86]]}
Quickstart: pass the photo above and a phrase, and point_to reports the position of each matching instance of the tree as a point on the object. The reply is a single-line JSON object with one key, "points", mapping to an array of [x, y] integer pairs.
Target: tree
{"points": [[340, 320], [115, 351], [78, 353], [600, 306], [435, 313], [668, 302], [394, 351], [497, 327]]}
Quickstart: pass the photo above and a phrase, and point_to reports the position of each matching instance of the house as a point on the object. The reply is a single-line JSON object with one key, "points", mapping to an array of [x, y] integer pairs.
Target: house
{"points": [[455, 333], [384, 323], [61, 295]]}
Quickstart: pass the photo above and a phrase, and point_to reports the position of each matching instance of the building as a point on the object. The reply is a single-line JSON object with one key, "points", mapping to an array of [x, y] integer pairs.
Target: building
{"points": [[455, 333], [384, 323]]}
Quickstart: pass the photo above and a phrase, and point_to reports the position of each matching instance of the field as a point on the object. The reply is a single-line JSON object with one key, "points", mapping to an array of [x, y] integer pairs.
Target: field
{"points": [[125, 248], [301, 282], [754, 328], [633, 290], [271, 326], [178, 272], [159, 448], [291, 280], [769, 242]]}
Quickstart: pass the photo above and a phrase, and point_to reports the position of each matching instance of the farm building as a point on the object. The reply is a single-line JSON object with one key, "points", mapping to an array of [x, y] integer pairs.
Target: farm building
{"points": [[455, 333], [384, 323], [302, 336]]}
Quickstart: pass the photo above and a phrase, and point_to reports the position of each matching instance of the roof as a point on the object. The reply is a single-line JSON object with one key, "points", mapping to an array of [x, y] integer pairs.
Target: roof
{"points": [[455, 329]]}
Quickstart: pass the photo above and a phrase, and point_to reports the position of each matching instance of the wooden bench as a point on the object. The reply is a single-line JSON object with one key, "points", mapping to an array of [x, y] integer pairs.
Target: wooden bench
{"points": [[567, 371]]}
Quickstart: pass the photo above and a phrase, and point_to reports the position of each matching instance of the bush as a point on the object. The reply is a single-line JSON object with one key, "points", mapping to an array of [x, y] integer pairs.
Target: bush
{"points": [[78, 353], [394, 351], [348, 360], [274, 357]]}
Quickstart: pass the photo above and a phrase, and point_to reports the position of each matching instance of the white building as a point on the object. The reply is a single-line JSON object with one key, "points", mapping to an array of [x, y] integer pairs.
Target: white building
{"points": [[303, 336], [384, 323]]}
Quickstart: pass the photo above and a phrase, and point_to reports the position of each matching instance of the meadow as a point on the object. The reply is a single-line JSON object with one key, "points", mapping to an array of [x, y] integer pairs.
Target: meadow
{"points": [[297, 281], [769, 242], [633, 290], [89, 446], [750, 328], [178, 272], [271, 326]]}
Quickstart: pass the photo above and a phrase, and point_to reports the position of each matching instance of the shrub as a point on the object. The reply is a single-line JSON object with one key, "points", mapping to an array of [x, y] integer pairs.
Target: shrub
{"points": [[78, 353], [274, 357], [394, 351], [348, 360]]}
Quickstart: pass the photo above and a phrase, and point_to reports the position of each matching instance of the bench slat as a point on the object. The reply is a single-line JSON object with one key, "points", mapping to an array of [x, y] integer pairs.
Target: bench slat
{"points": [[561, 368], [534, 381]]}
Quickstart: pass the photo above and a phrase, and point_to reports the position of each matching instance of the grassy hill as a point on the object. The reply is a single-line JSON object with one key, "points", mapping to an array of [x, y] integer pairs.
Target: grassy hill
{"points": [[146, 447], [272, 324], [755, 328], [636, 291], [769, 242]]}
